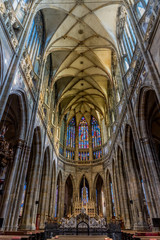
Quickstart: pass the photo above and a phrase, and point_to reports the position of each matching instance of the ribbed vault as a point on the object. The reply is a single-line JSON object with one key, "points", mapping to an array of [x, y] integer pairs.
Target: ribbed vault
{"points": [[82, 46]]}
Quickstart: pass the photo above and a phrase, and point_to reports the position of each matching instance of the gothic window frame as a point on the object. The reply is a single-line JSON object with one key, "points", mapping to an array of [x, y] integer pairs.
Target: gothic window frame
{"points": [[84, 131]]}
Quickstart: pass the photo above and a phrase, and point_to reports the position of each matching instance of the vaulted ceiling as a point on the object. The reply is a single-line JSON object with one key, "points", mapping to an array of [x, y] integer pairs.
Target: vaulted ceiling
{"points": [[81, 39]]}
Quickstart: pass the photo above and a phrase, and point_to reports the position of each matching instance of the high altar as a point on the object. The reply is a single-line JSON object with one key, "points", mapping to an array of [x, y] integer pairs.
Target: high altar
{"points": [[85, 205]]}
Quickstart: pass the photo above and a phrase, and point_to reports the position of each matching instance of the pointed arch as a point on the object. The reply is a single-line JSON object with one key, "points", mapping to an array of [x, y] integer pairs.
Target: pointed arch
{"points": [[58, 195], [81, 185], [68, 202], [99, 194]]}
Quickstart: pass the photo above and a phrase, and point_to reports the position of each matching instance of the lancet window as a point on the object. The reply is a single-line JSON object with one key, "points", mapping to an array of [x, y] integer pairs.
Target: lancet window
{"points": [[96, 133], [127, 39], [34, 42], [113, 207], [83, 134], [71, 134]]}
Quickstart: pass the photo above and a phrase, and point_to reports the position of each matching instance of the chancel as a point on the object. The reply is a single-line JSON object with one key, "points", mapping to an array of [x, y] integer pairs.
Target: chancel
{"points": [[80, 119]]}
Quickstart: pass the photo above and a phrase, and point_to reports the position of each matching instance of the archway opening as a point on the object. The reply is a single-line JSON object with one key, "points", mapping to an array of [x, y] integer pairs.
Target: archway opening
{"points": [[68, 203], [57, 192], [100, 199], [10, 127], [84, 190]]}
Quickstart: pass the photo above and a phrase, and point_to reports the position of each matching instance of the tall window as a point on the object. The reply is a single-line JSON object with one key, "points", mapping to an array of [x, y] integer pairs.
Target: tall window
{"points": [[71, 134], [96, 133], [113, 207], [83, 134], [35, 39], [56, 204], [127, 41]]}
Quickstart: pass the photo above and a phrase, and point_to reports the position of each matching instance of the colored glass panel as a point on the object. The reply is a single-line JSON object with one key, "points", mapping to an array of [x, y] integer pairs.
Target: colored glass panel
{"points": [[83, 134], [96, 133], [113, 208], [70, 142], [56, 205]]}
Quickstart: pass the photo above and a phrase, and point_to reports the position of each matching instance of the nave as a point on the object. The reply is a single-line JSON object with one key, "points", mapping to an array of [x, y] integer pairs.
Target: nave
{"points": [[79, 117]]}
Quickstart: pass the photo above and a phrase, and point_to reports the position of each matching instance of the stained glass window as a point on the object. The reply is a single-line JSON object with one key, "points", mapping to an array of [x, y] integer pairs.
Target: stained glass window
{"points": [[113, 208], [97, 154], [71, 134], [83, 134], [83, 156], [70, 154], [56, 205], [96, 134]]}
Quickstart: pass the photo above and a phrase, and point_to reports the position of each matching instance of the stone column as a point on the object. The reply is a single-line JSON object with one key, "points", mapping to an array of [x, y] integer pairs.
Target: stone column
{"points": [[52, 193], [124, 195], [62, 194], [8, 196], [45, 195], [32, 194], [20, 189], [151, 172], [134, 179], [54, 199], [119, 190], [116, 197], [108, 201]]}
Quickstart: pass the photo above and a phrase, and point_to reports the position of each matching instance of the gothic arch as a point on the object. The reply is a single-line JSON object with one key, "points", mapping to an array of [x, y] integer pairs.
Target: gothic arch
{"points": [[15, 123], [135, 180], [96, 178], [69, 191], [80, 185], [81, 178], [72, 179], [148, 117], [99, 194]]}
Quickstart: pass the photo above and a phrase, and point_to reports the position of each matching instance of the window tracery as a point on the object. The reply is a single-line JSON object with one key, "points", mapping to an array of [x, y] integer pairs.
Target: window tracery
{"points": [[83, 134], [71, 134], [127, 38], [140, 7], [34, 42], [96, 134]]}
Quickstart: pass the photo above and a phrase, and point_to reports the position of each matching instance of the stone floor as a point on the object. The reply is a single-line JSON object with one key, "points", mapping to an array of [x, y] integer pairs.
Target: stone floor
{"points": [[82, 237]]}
